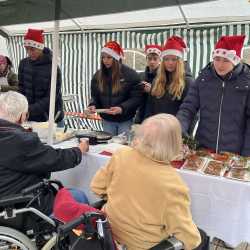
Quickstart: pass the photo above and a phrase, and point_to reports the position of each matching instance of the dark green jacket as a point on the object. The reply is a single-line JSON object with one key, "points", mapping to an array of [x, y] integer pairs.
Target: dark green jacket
{"points": [[12, 81]]}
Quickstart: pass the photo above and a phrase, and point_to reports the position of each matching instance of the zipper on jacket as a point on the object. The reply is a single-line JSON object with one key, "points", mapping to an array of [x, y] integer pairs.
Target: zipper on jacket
{"points": [[219, 123]]}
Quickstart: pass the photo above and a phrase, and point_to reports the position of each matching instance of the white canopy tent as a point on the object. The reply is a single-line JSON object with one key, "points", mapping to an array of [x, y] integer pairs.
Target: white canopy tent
{"points": [[196, 14], [21, 11], [219, 11]]}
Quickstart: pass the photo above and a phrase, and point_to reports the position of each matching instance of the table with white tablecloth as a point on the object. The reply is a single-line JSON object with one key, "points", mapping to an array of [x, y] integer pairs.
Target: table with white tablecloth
{"points": [[220, 206]]}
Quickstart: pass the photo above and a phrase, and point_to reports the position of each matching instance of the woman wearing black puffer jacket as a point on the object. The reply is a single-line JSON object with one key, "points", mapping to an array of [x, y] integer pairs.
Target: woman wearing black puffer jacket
{"points": [[115, 88], [172, 81]]}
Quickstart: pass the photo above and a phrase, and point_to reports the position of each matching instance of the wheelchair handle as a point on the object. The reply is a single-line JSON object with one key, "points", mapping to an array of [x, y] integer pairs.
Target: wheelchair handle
{"points": [[86, 220], [43, 184], [66, 228], [32, 188]]}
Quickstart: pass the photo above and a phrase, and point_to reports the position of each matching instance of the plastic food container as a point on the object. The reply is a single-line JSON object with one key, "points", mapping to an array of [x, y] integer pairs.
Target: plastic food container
{"points": [[238, 162], [239, 174], [194, 163], [215, 168]]}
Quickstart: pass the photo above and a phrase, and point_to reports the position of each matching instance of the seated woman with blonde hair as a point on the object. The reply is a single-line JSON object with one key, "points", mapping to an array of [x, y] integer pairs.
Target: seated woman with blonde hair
{"points": [[147, 201]]}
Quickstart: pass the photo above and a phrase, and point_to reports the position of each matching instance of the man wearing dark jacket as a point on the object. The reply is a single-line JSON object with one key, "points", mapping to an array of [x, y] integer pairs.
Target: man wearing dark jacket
{"points": [[34, 75], [153, 58], [24, 159], [221, 93]]}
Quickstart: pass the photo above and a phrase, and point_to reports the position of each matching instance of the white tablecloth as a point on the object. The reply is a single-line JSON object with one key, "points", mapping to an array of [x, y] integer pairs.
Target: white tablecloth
{"points": [[219, 206]]}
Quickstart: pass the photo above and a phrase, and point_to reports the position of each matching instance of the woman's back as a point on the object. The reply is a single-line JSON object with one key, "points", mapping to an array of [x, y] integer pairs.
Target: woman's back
{"points": [[143, 198]]}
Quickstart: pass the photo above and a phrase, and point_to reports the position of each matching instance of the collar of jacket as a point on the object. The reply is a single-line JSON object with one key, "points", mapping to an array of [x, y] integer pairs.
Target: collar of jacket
{"points": [[46, 58], [151, 72], [6, 125], [238, 70]]}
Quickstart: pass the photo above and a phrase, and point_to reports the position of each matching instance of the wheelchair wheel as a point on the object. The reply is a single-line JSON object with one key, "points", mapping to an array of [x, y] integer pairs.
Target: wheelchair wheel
{"points": [[11, 239]]}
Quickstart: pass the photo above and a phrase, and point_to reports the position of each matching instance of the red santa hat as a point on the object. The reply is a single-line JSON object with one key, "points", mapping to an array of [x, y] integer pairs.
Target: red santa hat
{"points": [[174, 46], [153, 49], [34, 38], [113, 49], [229, 47]]}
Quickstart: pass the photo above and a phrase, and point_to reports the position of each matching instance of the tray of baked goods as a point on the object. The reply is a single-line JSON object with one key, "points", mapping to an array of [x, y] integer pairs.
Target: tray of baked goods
{"points": [[194, 162], [239, 168], [242, 174], [214, 167], [225, 164]]}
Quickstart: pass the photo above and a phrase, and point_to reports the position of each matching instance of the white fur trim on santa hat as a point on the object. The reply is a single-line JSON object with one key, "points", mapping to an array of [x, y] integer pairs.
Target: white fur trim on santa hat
{"points": [[173, 52], [34, 44], [153, 51], [228, 54], [111, 53]]}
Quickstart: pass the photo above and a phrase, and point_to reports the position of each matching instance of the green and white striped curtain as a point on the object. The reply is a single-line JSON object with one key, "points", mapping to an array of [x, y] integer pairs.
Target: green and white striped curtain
{"points": [[80, 55]]}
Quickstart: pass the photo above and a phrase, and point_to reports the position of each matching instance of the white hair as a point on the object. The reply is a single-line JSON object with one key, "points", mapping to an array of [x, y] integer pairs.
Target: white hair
{"points": [[159, 138], [12, 106]]}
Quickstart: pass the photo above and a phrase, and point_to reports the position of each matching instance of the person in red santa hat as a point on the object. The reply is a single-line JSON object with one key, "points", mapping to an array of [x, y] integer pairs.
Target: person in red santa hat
{"points": [[153, 59], [221, 94], [172, 81], [115, 88], [8, 79], [34, 75]]}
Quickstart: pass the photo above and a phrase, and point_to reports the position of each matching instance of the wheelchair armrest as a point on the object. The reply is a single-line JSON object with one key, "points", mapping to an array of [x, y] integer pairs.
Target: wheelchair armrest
{"points": [[15, 199], [169, 244], [98, 204]]}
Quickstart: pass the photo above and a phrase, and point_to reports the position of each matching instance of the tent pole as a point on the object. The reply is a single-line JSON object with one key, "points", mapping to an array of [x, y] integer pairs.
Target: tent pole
{"points": [[183, 14], [54, 71]]}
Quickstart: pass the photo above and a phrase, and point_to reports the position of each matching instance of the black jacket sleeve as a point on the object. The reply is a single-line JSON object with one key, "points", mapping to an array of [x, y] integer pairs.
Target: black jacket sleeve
{"points": [[189, 107], [41, 107], [246, 144], [135, 94], [20, 78], [95, 100], [37, 158]]}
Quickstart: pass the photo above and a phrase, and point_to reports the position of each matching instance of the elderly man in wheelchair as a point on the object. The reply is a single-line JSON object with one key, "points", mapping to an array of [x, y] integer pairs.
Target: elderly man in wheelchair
{"points": [[25, 160]]}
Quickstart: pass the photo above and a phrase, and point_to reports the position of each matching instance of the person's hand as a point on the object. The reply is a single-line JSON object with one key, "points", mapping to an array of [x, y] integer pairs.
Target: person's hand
{"points": [[114, 111], [91, 109], [84, 145], [147, 87]]}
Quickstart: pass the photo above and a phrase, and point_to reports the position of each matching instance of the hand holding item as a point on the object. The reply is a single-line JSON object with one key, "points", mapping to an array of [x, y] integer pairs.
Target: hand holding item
{"points": [[91, 109], [114, 111], [84, 145], [147, 87]]}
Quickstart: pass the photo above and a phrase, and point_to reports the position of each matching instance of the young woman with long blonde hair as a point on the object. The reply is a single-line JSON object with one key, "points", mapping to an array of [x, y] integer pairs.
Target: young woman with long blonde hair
{"points": [[172, 81]]}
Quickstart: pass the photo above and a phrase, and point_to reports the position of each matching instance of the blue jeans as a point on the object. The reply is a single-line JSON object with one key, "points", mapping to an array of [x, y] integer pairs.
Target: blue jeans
{"points": [[61, 124], [116, 128], [79, 195]]}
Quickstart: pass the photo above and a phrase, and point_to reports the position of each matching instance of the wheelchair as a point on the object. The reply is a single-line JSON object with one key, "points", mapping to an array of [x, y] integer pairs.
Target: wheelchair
{"points": [[24, 227]]}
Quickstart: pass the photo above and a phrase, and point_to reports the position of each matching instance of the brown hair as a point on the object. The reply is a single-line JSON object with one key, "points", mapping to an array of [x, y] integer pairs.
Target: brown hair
{"points": [[177, 82], [102, 78]]}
